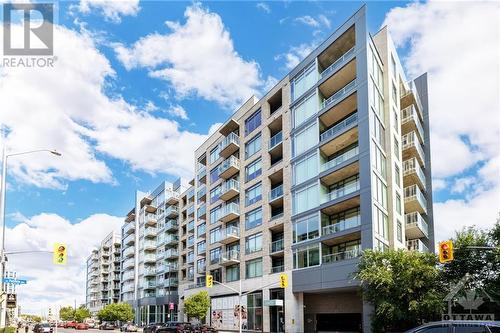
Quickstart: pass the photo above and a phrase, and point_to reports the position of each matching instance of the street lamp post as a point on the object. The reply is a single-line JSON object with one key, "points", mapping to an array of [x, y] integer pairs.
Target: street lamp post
{"points": [[3, 186]]}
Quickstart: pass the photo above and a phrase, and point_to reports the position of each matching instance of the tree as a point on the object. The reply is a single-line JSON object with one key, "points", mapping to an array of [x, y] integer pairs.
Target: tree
{"points": [[197, 305], [81, 313], [116, 312], [67, 313], [403, 286]]}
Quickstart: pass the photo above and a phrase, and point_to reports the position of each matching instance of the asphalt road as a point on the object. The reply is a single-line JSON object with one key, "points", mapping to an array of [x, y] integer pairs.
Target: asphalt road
{"points": [[91, 330]]}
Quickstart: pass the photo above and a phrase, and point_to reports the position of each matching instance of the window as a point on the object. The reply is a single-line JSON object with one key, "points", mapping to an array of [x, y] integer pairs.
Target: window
{"points": [[215, 194], [253, 170], [399, 231], [381, 223], [214, 154], [305, 139], [304, 81], [380, 191], [215, 235], [398, 203], [306, 228], [253, 146], [305, 109], [233, 273], [305, 168], [305, 198], [201, 229], [215, 255], [214, 174], [253, 243], [306, 256], [254, 268], [252, 122], [396, 147], [253, 219], [200, 265], [201, 247], [396, 120], [378, 131], [397, 174], [393, 66], [254, 316], [394, 93], [253, 194], [380, 246], [376, 100], [215, 214], [379, 161]]}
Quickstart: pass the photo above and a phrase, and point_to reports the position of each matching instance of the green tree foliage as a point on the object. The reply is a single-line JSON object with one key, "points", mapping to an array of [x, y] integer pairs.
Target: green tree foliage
{"points": [[82, 313], [403, 286], [67, 313], [33, 318], [197, 305], [116, 312]]}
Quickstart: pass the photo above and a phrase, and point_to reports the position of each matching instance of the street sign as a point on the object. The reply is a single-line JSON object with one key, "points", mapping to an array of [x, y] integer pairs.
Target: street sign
{"points": [[11, 301], [14, 281], [273, 302]]}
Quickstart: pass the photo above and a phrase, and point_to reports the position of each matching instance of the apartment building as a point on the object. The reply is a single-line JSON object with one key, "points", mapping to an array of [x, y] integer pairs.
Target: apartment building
{"points": [[103, 274], [149, 280], [334, 160]]}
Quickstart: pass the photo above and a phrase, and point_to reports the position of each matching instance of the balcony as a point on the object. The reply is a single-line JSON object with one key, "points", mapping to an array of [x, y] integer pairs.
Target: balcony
{"points": [[229, 212], [171, 268], [276, 194], [340, 94], [411, 97], [150, 208], [230, 145], [230, 189], [277, 247], [410, 121], [346, 187], [231, 234], [150, 219], [149, 285], [149, 245], [345, 224], [129, 252], [202, 174], [413, 174], [149, 258], [337, 63], [171, 197], [230, 258], [412, 147], [229, 168], [172, 282], [277, 269], [149, 271], [190, 211], [129, 228], [416, 227], [202, 193], [171, 240], [171, 212], [333, 131], [171, 254], [129, 263], [129, 240], [150, 232], [340, 158], [416, 245], [415, 201], [276, 141], [202, 211], [340, 256], [171, 225]]}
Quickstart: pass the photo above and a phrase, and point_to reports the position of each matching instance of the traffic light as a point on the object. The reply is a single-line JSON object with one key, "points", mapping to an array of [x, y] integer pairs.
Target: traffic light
{"points": [[283, 280], [209, 281], [60, 256], [445, 251]]}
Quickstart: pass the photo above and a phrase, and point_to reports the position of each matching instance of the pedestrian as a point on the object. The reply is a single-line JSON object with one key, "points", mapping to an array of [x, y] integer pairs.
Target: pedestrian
{"points": [[26, 328]]}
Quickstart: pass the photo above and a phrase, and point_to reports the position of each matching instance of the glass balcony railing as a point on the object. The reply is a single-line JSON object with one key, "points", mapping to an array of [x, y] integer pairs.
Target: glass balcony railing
{"points": [[232, 231], [414, 219], [348, 188], [129, 251], [232, 138], [276, 192], [149, 271], [149, 244], [172, 211], [232, 255], [336, 64], [150, 232], [340, 158], [229, 209], [410, 114], [345, 255], [339, 94], [228, 163], [277, 246], [339, 127], [277, 269], [149, 258], [229, 185], [416, 245], [348, 223], [190, 210], [276, 139], [412, 166], [413, 193], [202, 172], [411, 140]]}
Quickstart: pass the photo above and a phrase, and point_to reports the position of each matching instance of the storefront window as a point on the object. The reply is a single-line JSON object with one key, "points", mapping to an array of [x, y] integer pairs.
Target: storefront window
{"points": [[254, 305]]}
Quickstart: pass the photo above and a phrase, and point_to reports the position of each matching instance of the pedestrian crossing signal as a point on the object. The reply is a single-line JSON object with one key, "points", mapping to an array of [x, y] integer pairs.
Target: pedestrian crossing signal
{"points": [[60, 255], [283, 280], [445, 251], [209, 281]]}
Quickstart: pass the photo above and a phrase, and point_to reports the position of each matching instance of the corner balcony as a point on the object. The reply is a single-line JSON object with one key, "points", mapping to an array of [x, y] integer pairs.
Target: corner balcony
{"points": [[410, 121], [171, 240], [171, 254], [129, 240], [171, 212], [230, 145], [150, 219], [129, 252], [340, 92], [230, 189], [230, 258], [415, 200], [149, 271], [150, 232], [412, 147], [171, 225], [150, 208], [229, 212], [413, 174], [336, 54], [129, 263], [344, 188], [416, 227], [229, 168], [341, 256], [416, 245], [129, 228], [130, 216], [339, 127], [230, 235], [411, 97], [171, 197], [149, 258], [149, 245], [339, 158]]}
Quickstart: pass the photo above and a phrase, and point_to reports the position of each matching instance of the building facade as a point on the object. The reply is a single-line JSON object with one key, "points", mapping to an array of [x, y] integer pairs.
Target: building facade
{"points": [[149, 279], [103, 274]]}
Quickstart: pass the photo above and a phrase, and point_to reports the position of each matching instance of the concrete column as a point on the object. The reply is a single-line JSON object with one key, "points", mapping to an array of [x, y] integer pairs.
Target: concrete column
{"points": [[266, 322], [367, 314], [294, 311]]}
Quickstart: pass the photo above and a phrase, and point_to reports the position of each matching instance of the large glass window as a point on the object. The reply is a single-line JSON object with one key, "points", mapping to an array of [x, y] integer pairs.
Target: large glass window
{"points": [[380, 191], [201, 229], [253, 194], [233, 273], [254, 218], [379, 161], [214, 154], [399, 231], [306, 228], [254, 317], [378, 130], [305, 80], [305, 109], [215, 193], [305, 139], [214, 174], [381, 223], [398, 203], [305, 198], [215, 235], [253, 170], [306, 256], [252, 122], [215, 214], [305, 168], [254, 268], [215, 256], [201, 247], [253, 146], [253, 243]]}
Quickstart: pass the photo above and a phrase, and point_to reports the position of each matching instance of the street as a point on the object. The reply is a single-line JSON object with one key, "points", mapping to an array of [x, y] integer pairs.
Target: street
{"points": [[91, 330]]}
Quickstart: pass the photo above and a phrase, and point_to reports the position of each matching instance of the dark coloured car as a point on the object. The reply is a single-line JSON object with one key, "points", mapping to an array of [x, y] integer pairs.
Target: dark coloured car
{"points": [[175, 326], [458, 326], [202, 328], [107, 326], [152, 328]]}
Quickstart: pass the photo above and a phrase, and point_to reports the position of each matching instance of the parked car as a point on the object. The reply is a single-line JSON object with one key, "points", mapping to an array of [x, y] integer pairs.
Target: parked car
{"points": [[202, 328], [107, 326], [458, 326], [70, 324], [175, 326], [128, 328], [60, 325], [152, 328], [82, 326], [42, 328]]}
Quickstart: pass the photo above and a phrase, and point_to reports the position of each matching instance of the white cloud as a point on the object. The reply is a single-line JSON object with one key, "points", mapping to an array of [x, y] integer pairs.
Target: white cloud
{"points": [[65, 108], [214, 128], [197, 57], [438, 184], [50, 285], [307, 20], [264, 7], [112, 10], [296, 54], [178, 111], [458, 45]]}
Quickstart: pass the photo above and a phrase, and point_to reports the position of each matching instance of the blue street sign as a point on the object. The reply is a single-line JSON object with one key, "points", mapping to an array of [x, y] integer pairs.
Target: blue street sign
{"points": [[14, 281]]}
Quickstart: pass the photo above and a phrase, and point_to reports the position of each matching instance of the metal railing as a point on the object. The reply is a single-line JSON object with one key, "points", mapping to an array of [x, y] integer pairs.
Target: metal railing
{"points": [[338, 127], [412, 166], [339, 94], [410, 113], [229, 162], [348, 188], [416, 245], [230, 184], [277, 269], [348, 223], [411, 140], [276, 139], [340, 159], [231, 138], [277, 246], [339, 256], [414, 219], [276, 192], [413, 192], [337, 63]]}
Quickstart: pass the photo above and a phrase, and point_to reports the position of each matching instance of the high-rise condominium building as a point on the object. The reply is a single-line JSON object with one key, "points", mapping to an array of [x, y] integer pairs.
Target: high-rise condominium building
{"points": [[150, 254], [103, 274], [332, 161]]}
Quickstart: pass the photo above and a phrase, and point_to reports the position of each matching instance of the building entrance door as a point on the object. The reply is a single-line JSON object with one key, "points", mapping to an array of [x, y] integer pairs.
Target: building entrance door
{"points": [[277, 313]]}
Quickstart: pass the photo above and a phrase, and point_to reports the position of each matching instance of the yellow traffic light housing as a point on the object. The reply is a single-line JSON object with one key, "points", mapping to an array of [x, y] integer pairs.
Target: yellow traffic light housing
{"points": [[445, 251], [209, 281], [60, 255], [283, 280]]}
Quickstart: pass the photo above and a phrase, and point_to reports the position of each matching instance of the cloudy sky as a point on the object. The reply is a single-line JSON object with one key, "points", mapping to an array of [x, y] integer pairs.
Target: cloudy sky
{"points": [[138, 85]]}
